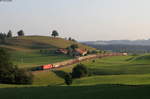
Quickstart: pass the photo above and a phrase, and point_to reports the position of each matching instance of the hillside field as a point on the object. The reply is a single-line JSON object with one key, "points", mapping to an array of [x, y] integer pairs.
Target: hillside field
{"points": [[32, 51], [117, 77]]}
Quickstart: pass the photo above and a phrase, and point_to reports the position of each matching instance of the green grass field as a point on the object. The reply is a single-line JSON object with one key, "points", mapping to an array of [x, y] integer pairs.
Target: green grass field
{"points": [[78, 92], [115, 78], [30, 43], [118, 65], [25, 50], [118, 77], [34, 59]]}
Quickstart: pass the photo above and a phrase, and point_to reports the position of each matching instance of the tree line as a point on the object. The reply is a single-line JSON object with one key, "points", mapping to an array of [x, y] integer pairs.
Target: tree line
{"points": [[21, 33], [9, 34], [4, 36], [131, 49]]}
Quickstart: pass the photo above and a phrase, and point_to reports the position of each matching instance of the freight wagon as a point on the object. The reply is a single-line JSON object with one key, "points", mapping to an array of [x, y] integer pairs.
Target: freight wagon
{"points": [[77, 60]]}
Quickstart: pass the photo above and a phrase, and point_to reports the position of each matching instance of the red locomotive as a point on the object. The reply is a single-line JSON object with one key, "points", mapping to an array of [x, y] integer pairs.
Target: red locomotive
{"points": [[48, 66]]}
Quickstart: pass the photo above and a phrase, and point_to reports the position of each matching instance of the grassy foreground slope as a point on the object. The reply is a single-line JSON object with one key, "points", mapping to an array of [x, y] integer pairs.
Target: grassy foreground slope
{"points": [[78, 92], [25, 50], [114, 78], [145, 59], [33, 59], [119, 65], [110, 70]]}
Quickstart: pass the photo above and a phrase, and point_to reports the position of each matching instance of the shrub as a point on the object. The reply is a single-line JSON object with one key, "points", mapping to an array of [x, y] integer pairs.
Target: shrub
{"points": [[74, 46], [21, 33], [93, 61], [2, 37], [9, 34], [80, 71], [23, 77], [68, 79], [10, 73]]}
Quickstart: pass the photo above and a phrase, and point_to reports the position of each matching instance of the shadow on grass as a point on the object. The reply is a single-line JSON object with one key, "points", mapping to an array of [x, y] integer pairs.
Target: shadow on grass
{"points": [[112, 91], [105, 72], [60, 73]]}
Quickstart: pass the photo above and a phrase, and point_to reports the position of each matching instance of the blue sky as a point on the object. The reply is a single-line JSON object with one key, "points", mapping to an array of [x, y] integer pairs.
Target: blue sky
{"points": [[80, 19]]}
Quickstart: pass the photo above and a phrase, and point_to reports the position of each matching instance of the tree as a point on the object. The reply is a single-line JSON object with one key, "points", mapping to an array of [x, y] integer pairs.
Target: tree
{"points": [[55, 33], [6, 68], [9, 34], [74, 46], [10, 73], [2, 37], [74, 40], [68, 79], [22, 76], [72, 51], [20, 33], [69, 38], [79, 71]]}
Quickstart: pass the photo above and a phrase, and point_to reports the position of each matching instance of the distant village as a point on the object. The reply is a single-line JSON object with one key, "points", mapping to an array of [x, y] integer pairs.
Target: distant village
{"points": [[76, 52]]}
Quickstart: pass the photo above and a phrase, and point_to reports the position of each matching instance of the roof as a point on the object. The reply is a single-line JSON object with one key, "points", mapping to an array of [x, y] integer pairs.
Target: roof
{"points": [[81, 51], [62, 50]]}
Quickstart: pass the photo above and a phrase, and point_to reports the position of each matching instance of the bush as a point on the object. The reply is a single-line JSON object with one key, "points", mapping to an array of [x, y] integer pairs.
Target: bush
{"points": [[21, 33], [9, 34], [10, 73], [74, 46], [68, 79], [80, 71], [7, 75], [2, 37], [23, 77]]}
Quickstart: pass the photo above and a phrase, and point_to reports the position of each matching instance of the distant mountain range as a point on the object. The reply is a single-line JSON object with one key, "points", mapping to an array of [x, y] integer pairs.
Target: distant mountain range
{"points": [[133, 47], [119, 42]]}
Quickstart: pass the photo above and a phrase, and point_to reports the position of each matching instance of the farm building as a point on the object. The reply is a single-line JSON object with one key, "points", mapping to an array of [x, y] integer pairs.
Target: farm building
{"points": [[78, 51], [81, 52], [62, 50]]}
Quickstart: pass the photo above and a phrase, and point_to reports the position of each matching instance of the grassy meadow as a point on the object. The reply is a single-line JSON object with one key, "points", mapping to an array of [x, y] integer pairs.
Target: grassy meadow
{"points": [[117, 77], [34, 59], [32, 51], [78, 92]]}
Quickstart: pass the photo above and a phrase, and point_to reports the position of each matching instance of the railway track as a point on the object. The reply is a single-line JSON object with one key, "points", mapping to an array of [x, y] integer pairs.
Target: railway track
{"points": [[80, 59]]}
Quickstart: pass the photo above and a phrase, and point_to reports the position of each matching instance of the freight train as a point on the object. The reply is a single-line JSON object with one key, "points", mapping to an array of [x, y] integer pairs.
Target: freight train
{"points": [[77, 60]]}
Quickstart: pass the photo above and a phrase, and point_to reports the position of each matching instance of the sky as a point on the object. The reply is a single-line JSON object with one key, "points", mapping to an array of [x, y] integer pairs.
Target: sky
{"points": [[84, 20]]}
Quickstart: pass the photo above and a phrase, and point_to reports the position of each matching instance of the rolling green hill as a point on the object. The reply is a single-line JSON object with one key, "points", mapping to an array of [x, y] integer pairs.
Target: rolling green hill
{"points": [[110, 70], [25, 50], [145, 59], [30, 43], [117, 77], [114, 78]]}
